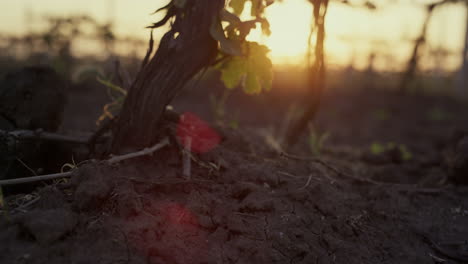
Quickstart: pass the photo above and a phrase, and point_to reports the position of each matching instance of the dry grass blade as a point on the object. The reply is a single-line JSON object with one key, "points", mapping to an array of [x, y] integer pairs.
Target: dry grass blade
{"points": [[307, 183]]}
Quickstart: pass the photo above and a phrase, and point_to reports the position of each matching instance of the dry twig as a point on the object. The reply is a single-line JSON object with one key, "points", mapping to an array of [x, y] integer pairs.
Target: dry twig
{"points": [[144, 152], [115, 159], [307, 183], [36, 178], [187, 158], [409, 188], [26, 166], [39, 134], [330, 167]]}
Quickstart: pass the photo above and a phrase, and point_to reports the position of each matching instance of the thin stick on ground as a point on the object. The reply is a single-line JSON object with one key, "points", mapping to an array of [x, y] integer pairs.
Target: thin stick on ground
{"points": [[307, 183], [39, 134], [36, 178], [144, 152], [187, 161], [68, 174], [330, 167], [410, 188], [22, 207], [26, 166]]}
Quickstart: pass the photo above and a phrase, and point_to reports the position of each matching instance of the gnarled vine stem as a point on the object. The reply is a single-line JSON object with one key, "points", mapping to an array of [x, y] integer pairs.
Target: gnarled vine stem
{"points": [[183, 51]]}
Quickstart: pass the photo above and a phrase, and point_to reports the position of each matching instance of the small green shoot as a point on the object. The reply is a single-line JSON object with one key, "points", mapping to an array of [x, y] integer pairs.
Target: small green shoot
{"points": [[438, 114], [405, 153], [379, 148], [117, 95], [234, 124], [381, 114], [87, 72], [218, 108], [316, 141]]}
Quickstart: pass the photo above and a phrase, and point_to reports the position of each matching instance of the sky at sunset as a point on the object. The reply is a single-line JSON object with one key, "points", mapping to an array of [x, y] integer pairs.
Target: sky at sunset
{"points": [[352, 33]]}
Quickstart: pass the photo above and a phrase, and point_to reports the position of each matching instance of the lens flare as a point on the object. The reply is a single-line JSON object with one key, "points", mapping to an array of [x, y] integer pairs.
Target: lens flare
{"points": [[196, 135], [169, 232]]}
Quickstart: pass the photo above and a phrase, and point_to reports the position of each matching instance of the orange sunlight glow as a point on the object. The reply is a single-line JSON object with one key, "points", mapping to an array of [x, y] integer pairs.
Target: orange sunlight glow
{"points": [[290, 23], [351, 39], [352, 34], [290, 26]]}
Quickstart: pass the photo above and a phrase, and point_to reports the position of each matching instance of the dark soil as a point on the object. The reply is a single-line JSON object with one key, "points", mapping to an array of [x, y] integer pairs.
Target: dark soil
{"points": [[245, 203]]}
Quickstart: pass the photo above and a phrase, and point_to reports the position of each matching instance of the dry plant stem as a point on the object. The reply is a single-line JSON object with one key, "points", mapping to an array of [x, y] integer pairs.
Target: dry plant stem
{"points": [[68, 174], [144, 152], [410, 188], [105, 126], [29, 134], [22, 208], [330, 167], [172, 182], [187, 158], [26, 166], [307, 183], [36, 178]]}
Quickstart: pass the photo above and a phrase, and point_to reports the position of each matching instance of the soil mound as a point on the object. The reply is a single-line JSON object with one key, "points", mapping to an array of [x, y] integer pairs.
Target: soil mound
{"points": [[237, 207]]}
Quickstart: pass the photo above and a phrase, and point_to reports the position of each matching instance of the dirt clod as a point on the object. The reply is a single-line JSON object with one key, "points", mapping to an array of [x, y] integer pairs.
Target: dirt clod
{"points": [[458, 170], [245, 204], [48, 226], [93, 186]]}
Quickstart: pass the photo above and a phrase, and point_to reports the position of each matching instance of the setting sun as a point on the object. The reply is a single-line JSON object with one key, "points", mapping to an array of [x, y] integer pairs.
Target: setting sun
{"points": [[290, 25], [350, 38]]}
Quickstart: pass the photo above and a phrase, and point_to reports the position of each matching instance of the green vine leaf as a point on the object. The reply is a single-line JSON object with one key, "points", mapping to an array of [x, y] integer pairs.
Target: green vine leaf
{"points": [[252, 71], [260, 65], [252, 84], [248, 65], [227, 46], [233, 72], [237, 6]]}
